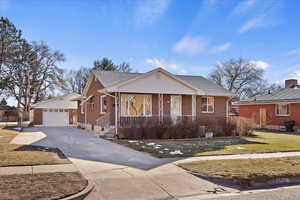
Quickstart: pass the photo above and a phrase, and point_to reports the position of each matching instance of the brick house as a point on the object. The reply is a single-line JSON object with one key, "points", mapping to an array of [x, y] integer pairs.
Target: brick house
{"points": [[59, 111], [272, 110], [114, 99], [8, 113]]}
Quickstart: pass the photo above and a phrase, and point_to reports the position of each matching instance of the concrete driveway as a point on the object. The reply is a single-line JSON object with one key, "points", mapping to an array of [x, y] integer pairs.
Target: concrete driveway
{"points": [[120, 173]]}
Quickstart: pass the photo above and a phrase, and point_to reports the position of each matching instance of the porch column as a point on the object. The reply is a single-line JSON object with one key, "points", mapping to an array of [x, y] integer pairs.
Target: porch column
{"points": [[160, 106], [194, 104]]}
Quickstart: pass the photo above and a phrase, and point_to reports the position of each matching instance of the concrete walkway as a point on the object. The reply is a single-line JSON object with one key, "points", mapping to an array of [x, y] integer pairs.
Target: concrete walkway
{"points": [[37, 169], [119, 182]]}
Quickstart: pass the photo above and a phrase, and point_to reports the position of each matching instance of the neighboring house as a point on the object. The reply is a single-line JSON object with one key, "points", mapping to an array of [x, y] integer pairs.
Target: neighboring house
{"points": [[272, 110], [59, 111], [8, 113], [116, 99]]}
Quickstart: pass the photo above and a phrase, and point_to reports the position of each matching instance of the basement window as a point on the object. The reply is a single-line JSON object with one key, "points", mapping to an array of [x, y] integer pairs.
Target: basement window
{"points": [[282, 109]]}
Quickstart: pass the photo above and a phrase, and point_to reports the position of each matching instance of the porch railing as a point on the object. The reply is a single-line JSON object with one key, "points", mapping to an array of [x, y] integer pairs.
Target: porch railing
{"points": [[150, 121], [103, 121]]}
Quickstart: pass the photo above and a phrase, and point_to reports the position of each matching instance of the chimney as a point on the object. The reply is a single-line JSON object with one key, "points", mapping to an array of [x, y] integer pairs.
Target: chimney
{"points": [[291, 83]]}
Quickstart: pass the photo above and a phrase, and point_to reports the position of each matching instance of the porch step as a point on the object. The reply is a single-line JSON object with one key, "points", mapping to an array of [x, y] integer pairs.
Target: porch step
{"points": [[107, 133]]}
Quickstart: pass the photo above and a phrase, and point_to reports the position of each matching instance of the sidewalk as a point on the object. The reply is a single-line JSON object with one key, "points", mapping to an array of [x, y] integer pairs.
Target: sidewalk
{"points": [[240, 156], [37, 169]]}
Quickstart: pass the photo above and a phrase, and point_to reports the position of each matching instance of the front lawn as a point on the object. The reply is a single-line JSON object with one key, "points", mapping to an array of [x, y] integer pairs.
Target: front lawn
{"points": [[41, 186], [261, 142], [16, 155], [246, 172]]}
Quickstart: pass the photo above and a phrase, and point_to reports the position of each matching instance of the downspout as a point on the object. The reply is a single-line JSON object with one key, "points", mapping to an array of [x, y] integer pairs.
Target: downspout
{"points": [[227, 109], [85, 114], [116, 113]]}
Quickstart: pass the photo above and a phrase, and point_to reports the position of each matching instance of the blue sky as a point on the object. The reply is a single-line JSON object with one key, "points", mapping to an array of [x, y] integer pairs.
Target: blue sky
{"points": [[183, 36]]}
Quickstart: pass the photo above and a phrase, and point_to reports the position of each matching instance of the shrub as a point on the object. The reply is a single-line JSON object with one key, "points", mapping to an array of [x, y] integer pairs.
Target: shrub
{"points": [[152, 128]]}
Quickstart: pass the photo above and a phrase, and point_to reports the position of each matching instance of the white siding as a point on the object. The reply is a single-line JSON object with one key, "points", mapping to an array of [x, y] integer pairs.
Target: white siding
{"points": [[157, 83]]}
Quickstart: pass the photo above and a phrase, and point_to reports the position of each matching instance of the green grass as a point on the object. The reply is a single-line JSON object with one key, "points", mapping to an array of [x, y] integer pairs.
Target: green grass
{"points": [[261, 142], [245, 172]]}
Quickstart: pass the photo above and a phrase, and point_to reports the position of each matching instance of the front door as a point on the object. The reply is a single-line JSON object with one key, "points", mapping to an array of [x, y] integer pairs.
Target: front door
{"points": [[263, 117], [175, 106]]}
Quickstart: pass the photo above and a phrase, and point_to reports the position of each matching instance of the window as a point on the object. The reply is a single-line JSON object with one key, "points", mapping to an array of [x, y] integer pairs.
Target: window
{"points": [[81, 108], [207, 104], [136, 105], [282, 109], [103, 104], [92, 103]]}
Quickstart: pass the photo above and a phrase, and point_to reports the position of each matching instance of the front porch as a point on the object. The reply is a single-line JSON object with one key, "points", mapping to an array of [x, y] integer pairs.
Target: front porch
{"points": [[133, 110]]}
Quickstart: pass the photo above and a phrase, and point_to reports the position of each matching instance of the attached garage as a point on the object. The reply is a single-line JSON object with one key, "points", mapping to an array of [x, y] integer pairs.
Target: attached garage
{"points": [[55, 112]]}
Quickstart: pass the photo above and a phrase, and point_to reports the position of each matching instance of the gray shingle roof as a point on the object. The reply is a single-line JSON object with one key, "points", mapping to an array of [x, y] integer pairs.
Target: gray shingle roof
{"points": [[284, 95], [109, 78]]}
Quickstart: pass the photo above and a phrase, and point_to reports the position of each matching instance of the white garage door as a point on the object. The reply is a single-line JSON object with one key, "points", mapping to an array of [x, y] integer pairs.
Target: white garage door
{"points": [[55, 117]]}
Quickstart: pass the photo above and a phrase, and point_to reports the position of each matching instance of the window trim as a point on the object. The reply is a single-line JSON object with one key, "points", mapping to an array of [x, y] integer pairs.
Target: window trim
{"points": [[213, 104], [282, 115], [144, 106], [101, 104]]}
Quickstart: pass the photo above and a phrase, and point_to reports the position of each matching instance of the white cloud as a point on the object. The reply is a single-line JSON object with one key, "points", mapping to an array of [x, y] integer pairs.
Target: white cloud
{"points": [[221, 48], [294, 52], [148, 11], [255, 22], [191, 45], [243, 6], [260, 64], [258, 13], [155, 62]]}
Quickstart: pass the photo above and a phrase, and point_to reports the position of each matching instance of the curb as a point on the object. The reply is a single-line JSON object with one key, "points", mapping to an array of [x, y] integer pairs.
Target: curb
{"points": [[82, 194]]}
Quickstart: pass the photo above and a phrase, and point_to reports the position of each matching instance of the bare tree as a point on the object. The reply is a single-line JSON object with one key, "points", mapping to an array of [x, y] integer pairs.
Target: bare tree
{"points": [[10, 39], [75, 80], [241, 77], [33, 74]]}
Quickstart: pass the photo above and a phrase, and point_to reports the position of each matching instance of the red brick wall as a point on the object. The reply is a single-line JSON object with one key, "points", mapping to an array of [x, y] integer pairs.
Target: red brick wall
{"points": [[219, 111], [72, 116], [38, 116], [186, 105], [154, 104], [166, 104], [252, 111]]}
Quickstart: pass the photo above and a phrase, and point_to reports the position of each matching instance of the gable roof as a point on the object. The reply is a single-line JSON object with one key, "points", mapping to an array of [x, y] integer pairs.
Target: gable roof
{"points": [[67, 97], [198, 83], [7, 107], [284, 95]]}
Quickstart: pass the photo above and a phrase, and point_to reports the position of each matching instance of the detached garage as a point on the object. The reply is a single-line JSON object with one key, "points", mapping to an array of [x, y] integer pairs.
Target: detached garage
{"points": [[59, 111]]}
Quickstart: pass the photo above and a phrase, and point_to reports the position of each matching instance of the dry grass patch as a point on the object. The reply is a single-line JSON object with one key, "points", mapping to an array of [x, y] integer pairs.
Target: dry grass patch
{"points": [[181, 148], [41, 186], [16, 155], [246, 172], [263, 142], [260, 142]]}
